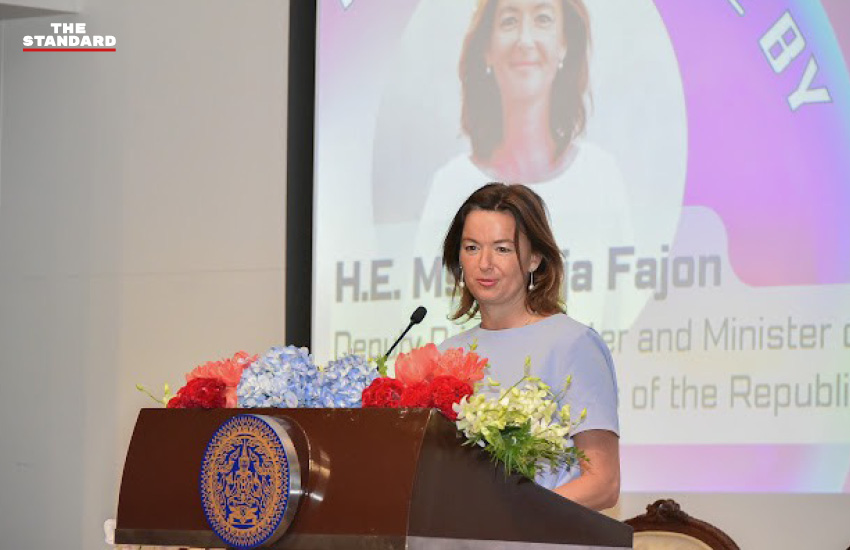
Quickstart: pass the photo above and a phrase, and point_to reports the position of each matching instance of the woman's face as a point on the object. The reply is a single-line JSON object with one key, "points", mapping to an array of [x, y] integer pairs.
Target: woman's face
{"points": [[526, 45], [491, 269]]}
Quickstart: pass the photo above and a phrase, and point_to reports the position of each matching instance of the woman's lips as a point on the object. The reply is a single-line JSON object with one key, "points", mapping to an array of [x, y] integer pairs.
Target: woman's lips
{"points": [[486, 283]]}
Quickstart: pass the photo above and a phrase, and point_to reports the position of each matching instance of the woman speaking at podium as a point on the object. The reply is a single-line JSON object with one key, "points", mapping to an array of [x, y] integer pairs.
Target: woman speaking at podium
{"points": [[508, 270]]}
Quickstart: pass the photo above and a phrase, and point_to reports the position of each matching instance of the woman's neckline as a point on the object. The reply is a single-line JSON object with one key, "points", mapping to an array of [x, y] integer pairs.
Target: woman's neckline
{"points": [[521, 327], [561, 165]]}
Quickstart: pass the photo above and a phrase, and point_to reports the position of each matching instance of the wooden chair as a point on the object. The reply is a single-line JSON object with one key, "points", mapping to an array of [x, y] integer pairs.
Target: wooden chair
{"points": [[665, 526]]}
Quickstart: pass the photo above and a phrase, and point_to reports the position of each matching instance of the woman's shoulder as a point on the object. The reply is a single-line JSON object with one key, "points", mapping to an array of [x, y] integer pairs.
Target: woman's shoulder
{"points": [[460, 340], [591, 158], [451, 185], [590, 151], [458, 167], [570, 333], [561, 323]]}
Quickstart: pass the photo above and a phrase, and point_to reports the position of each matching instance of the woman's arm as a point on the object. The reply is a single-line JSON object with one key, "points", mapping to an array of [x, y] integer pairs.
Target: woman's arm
{"points": [[598, 487]]}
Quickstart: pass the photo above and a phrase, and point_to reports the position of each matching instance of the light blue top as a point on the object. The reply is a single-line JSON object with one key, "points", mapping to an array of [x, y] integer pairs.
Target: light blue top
{"points": [[558, 346]]}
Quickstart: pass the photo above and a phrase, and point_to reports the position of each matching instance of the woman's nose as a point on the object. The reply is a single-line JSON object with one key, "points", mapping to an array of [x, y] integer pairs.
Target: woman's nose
{"points": [[526, 32], [485, 260]]}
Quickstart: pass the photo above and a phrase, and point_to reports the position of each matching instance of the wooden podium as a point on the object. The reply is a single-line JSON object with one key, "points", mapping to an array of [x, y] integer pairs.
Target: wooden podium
{"points": [[373, 479]]}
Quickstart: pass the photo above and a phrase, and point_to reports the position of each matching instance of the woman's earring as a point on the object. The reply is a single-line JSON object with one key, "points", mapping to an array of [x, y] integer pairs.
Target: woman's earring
{"points": [[460, 281], [560, 64], [530, 280], [489, 70]]}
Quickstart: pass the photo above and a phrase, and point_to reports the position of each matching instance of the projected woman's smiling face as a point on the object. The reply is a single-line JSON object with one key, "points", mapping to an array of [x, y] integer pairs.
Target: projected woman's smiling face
{"points": [[526, 45]]}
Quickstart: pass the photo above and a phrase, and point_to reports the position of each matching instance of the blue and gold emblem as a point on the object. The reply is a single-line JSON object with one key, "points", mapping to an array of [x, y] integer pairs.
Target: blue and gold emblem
{"points": [[250, 480]]}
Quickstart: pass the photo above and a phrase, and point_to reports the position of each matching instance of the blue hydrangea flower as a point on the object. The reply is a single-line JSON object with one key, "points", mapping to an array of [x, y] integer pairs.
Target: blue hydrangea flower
{"points": [[283, 377], [341, 383], [288, 377]]}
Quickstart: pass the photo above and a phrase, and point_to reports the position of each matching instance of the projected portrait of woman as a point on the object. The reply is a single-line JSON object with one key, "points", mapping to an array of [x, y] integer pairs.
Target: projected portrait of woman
{"points": [[524, 74], [523, 87]]}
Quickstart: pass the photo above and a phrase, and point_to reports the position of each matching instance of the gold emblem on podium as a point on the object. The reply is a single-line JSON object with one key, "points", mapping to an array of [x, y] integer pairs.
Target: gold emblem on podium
{"points": [[250, 480]]}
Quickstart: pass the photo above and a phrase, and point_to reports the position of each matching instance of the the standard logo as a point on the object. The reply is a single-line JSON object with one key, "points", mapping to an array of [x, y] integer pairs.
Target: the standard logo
{"points": [[250, 480], [69, 37]]}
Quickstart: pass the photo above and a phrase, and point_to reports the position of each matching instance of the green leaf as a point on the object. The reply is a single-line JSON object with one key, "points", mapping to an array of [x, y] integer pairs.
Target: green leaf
{"points": [[381, 364]]}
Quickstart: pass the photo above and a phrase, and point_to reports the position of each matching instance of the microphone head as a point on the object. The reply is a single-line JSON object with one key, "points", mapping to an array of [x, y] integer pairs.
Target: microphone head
{"points": [[418, 315]]}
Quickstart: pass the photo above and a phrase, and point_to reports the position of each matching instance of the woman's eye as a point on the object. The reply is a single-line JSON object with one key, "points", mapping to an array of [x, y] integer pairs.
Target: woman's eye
{"points": [[544, 19], [508, 22], [469, 248], [503, 249]]}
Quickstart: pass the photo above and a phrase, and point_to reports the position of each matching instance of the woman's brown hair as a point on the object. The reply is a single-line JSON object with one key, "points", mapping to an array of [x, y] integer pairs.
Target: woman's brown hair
{"points": [[529, 213], [482, 106]]}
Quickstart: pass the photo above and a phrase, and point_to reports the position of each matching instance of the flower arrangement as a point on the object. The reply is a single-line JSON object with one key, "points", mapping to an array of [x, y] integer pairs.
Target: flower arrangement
{"points": [[427, 378], [521, 426]]}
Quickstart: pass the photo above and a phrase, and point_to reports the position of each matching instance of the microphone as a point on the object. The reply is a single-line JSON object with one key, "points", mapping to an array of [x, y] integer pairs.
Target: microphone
{"points": [[415, 319]]}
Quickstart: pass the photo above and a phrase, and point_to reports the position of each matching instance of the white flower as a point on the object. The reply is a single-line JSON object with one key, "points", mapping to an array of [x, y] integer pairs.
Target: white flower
{"points": [[528, 405]]}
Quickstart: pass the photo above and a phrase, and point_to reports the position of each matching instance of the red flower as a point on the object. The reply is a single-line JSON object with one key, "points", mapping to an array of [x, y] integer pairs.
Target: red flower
{"points": [[446, 391], [228, 371], [200, 393], [417, 366], [383, 392], [466, 366], [417, 395]]}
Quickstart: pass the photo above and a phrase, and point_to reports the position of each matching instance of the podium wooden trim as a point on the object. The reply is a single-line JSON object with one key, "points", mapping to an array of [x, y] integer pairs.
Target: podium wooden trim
{"points": [[373, 478]]}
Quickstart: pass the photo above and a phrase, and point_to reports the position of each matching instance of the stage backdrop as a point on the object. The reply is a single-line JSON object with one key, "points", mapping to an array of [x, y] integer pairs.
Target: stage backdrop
{"points": [[704, 212]]}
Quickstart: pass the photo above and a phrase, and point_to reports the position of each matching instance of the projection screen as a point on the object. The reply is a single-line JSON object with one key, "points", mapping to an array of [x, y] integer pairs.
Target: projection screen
{"points": [[703, 213]]}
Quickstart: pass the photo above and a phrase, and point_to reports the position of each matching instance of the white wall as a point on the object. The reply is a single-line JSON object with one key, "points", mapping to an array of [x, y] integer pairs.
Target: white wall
{"points": [[141, 233], [142, 198]]}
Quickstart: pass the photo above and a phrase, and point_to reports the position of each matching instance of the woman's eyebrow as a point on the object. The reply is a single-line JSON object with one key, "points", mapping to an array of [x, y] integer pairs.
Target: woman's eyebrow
{"points": [[500, 241]]}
